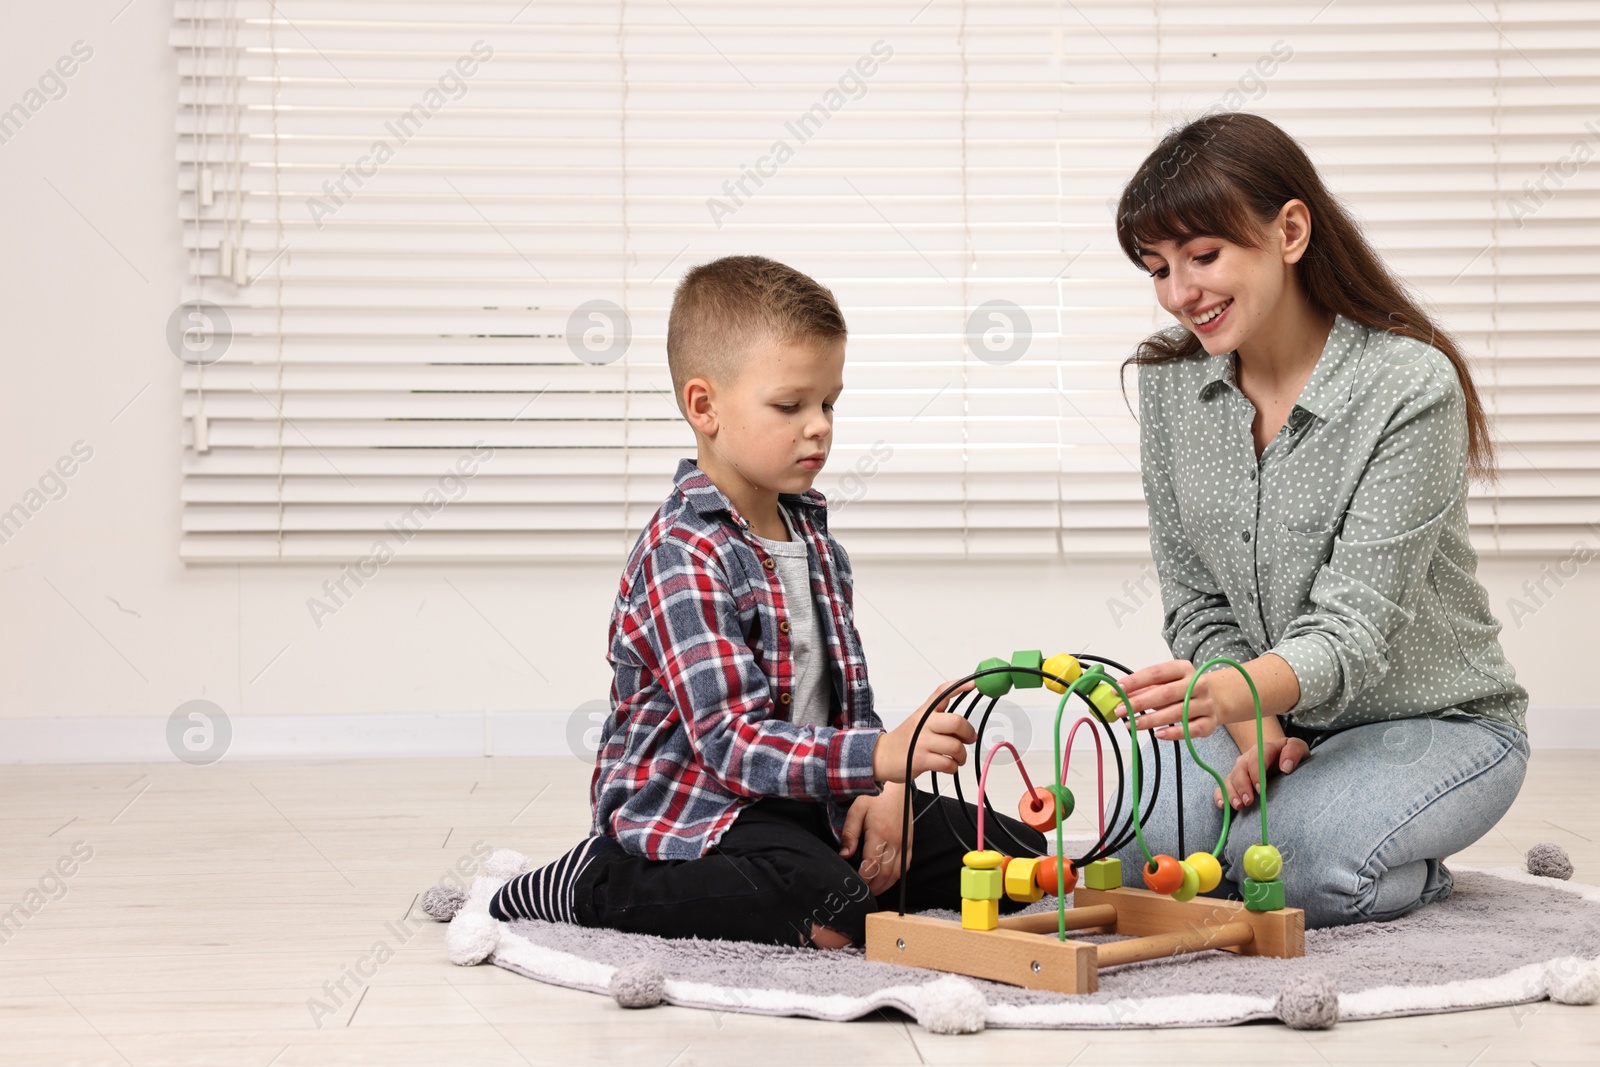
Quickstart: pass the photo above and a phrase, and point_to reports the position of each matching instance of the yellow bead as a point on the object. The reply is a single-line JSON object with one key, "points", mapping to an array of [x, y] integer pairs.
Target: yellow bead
{"points": [[980, 885], [1105, 701], [1206, 866], [980, 914], [982, 861], [1063, 666], [1020, 884]]}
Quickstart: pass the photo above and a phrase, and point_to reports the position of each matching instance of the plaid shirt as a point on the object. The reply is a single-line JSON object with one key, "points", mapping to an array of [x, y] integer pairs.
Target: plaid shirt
{"points": [[699, 725]]}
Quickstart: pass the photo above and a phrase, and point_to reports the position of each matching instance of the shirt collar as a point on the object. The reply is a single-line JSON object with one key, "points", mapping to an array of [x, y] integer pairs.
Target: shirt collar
{"points": [[707, 500], [1327, 389]]}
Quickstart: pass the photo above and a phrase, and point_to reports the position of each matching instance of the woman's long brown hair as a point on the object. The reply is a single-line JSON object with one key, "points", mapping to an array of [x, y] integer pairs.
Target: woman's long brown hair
{"points": [[1227, 175]]}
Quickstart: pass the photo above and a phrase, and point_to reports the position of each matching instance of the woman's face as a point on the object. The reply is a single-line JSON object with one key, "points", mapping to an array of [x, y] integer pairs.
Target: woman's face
{"points": [[1222, 291]]}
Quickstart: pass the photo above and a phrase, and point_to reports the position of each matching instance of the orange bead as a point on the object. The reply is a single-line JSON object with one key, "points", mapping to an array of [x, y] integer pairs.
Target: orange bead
{"points": [[1166, 878], [1038, 810], [1045, 876]]}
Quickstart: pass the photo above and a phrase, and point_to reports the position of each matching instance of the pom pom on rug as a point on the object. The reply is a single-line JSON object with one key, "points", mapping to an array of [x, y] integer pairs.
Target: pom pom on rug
{"points": [[504, 864], [1309, 1003], [441, 902], [472, 936], [638, 985], [1549, 861], [1571, 980], [951, 1005]]}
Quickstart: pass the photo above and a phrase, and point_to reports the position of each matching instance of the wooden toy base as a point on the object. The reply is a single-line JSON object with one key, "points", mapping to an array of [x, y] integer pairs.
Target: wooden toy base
{"points": [[1024, 951]]}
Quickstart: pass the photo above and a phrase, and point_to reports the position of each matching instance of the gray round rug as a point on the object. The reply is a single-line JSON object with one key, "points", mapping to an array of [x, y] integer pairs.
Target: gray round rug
{"points": [[1503, 937]]}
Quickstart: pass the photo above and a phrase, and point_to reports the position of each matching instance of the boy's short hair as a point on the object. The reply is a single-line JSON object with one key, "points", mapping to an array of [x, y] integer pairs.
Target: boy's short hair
{"points": [[723, 307]]}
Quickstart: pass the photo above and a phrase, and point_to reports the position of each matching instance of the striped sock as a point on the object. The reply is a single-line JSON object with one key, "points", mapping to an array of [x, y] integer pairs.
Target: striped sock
{"points": [[548, 892]]}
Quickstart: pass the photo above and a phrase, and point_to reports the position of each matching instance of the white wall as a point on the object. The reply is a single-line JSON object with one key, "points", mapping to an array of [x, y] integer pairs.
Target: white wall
{"points": [[103, 623]]}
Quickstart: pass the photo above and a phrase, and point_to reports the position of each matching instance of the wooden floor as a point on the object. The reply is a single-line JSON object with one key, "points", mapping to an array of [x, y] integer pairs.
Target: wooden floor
{"points": [[218, 901]]}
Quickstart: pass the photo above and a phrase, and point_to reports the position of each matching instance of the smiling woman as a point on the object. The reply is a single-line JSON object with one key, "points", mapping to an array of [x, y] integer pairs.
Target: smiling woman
{"points": [[1307, 435]]}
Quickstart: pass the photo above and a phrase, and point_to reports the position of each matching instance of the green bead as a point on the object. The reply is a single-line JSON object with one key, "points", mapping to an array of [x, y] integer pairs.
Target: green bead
{"points": [[1263, 863], [1263, 896], [1022, 680], [994, 685], [982, 885], [1106, 701], [1103, 874], [1191, 882], [1064, 801]]}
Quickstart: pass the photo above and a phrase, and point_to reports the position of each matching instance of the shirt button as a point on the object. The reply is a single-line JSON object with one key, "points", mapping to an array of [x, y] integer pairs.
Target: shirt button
{"points": [[1244, 535], [768, 564], [783, 698], [784, 626]]}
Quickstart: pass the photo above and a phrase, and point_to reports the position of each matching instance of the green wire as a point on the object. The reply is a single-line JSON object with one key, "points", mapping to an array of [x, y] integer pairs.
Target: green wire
{"points": [[1261, 750], [1138, 829], [1060, 857]]}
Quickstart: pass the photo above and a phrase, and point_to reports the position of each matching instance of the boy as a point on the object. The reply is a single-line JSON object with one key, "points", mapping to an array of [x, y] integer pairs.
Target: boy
{"points": [[736, 792]]}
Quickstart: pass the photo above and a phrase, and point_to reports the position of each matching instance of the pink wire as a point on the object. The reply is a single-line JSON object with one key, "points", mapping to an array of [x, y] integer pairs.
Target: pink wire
{"points": [[1100, 765], [983, 779]]}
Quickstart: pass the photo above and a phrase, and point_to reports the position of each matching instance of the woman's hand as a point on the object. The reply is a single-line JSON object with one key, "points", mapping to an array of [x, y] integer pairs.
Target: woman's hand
{"points": [[1283, 754], [1156, 693], [874, 823]]}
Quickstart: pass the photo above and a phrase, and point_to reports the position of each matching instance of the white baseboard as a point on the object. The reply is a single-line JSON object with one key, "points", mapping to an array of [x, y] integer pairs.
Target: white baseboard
{"points": [[143, 739]]}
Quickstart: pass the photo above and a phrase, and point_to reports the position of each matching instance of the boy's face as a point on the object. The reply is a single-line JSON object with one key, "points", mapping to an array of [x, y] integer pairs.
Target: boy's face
{"points": [[773, 422]]}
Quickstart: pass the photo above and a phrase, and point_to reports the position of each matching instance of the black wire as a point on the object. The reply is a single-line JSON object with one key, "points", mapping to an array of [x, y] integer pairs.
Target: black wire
{"points": [[1177, 784], [1101, 848]]}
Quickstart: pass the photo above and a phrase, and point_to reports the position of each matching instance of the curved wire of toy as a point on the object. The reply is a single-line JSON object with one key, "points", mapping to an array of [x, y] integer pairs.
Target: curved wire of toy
{"points": [[1102, 848], [1261, 753], [1227, 813], [1099, 766], [983, 780], [911, 751], [1099, 848], [1060, 769]]}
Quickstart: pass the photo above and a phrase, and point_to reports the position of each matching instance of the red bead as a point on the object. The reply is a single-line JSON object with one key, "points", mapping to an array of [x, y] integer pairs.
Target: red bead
{"points": [[1043, 817], [1045, 876], [1166, 877]]}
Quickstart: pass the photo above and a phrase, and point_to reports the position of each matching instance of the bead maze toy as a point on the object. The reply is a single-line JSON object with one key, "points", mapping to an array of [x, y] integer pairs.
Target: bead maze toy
{"points": [[1165, 918]]}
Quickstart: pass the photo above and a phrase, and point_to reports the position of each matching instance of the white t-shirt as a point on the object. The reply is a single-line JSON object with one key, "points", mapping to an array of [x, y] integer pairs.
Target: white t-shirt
{"points": [[809, 701]]}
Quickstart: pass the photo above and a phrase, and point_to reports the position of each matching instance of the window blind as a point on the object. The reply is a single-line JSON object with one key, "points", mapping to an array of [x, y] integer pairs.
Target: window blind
{"points": [[432, 246]]}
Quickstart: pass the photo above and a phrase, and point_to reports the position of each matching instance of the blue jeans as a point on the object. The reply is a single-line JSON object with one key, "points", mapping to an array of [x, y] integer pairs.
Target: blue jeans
{"points": [[1364, 823]]}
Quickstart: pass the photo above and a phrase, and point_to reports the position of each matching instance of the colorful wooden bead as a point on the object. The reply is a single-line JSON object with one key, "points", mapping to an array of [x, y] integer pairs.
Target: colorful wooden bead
{"points": [[980, 914], [1163, 875], [993, 685], [1105, 701], [987, 860], [1263, 896], [1207, 867], [1027, 679], [1065, 667], [1191, 882], [1045, 875], [1262, 862], [1038, 810], [1021, 885], [1064, 801], [1103, 874], [981, 885]]}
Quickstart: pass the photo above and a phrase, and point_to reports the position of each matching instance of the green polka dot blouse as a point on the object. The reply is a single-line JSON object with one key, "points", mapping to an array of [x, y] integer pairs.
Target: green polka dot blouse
{"points": [[1343, 548]]}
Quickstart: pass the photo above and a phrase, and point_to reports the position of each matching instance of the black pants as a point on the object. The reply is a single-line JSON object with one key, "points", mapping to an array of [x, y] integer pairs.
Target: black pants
{"points": [[777, 870]]}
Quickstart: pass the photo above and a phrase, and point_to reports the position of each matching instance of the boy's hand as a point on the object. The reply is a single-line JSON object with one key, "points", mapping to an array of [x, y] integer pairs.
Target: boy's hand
{"points": [[1284, 754], [873, 823], [942, 745]]}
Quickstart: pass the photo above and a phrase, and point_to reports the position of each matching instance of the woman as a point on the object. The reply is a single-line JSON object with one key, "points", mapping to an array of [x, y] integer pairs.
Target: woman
{"points": [[1307, 437]]}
